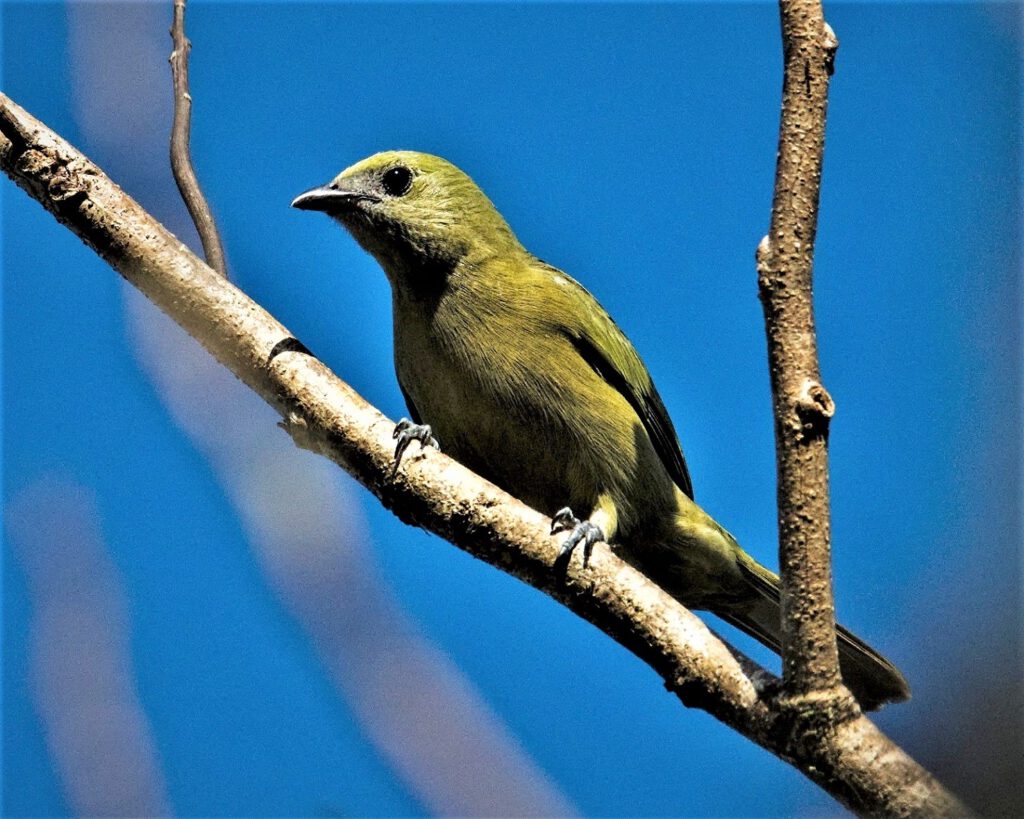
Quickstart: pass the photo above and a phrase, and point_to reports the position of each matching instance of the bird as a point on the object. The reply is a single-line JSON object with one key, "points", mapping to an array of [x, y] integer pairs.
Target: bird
{"points": [[524, 378]]}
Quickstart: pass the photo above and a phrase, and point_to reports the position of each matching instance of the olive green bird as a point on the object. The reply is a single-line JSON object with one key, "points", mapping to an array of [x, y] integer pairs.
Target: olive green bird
{"points": [[526, 380]]}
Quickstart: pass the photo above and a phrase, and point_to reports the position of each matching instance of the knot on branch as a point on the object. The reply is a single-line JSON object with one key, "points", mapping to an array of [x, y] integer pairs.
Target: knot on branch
{"points": [[302, 436], [32, 162], [807, 721], [830, 43], [814, 409], [62, 183], [179, 62], [68, 184], [765, 274]]}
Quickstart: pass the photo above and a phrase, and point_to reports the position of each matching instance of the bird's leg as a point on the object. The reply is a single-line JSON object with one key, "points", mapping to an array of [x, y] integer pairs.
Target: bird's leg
{"points": [[583, 531], [587, 532], [405, 433]]}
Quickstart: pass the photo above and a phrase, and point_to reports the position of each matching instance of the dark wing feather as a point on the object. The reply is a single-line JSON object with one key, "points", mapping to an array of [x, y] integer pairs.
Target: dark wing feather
{"points": [[606, 349], [647, 404]]}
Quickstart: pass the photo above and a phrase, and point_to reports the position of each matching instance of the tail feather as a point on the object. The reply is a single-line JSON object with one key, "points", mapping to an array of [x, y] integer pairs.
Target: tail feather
{"points": [[871, 678]]}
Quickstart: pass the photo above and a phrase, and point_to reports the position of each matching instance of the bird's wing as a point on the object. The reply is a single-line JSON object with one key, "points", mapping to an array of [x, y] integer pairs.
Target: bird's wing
{"points": [[606, 349]]}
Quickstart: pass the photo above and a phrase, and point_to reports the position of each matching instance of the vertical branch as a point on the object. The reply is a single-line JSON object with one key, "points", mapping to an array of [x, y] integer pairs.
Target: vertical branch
{"points": [[802, 406], [181, 159]]}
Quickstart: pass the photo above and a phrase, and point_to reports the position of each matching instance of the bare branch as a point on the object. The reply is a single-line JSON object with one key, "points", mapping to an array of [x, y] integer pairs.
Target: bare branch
{"points": [[181, 158], [851, 759], [802, 405]]}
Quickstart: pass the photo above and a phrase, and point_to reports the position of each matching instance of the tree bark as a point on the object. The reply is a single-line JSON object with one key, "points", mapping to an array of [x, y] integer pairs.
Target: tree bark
{"points": [[801, 404]]}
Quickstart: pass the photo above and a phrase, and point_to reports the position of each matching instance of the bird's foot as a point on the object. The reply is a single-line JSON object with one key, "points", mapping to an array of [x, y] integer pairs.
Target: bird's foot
{"points": [[405, 433], [583, 531]]}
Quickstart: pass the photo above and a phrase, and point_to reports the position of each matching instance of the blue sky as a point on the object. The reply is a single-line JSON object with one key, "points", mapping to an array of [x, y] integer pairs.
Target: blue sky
{"points": [[633, 146]]}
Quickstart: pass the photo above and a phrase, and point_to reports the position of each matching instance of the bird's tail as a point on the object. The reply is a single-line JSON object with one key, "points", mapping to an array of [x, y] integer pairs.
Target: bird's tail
{"points": [[871, 678]]}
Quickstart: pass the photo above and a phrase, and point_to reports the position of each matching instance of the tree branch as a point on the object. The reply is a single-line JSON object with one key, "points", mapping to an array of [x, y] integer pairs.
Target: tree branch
{"points": [[802, 406], [852, 760], [181, 158]]}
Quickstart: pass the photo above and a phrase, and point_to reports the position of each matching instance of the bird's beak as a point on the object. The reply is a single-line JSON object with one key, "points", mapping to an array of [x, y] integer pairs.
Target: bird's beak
{"points": [[329, 200]]}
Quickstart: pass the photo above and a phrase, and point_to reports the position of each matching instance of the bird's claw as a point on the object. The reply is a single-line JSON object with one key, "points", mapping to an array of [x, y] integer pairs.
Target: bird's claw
{"points": [[582, 531], [405, 433]]}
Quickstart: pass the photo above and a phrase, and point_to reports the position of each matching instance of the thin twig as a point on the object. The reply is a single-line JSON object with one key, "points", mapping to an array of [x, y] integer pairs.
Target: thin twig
{"points": [[181, 158], [852, 760], [802, 406]]}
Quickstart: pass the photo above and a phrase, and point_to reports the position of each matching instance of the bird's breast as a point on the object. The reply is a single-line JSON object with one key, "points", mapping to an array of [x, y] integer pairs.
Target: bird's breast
{"points": [[487, 383]]}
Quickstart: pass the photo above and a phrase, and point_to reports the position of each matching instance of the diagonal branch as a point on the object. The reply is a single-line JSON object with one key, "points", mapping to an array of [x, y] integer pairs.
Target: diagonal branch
{"points": [[852, 760], [802, 406]]}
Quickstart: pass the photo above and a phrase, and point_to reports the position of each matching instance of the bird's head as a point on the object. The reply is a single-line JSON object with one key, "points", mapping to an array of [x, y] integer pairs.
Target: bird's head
{"points": [[416, 213]]}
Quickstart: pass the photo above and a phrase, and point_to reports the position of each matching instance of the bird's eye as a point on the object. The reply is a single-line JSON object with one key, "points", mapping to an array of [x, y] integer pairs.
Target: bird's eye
{"points": [[397, 181]]}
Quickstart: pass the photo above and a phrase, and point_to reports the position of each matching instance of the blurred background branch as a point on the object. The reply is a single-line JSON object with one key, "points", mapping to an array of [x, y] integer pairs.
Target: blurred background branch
{"points": [[82, 678]]}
